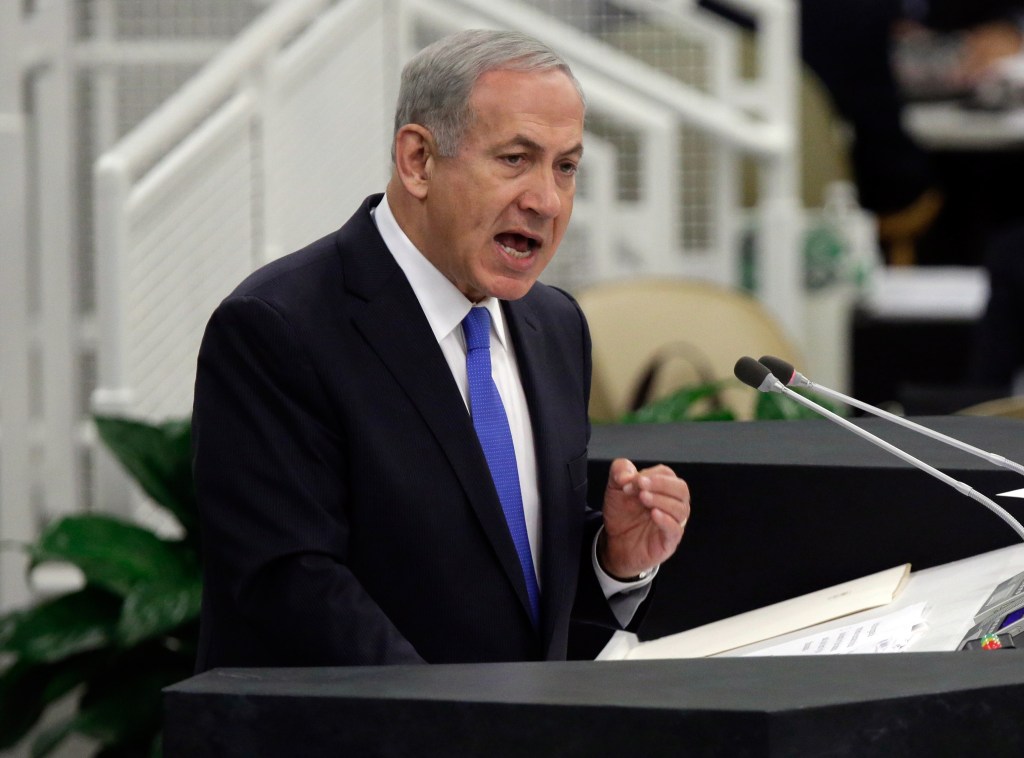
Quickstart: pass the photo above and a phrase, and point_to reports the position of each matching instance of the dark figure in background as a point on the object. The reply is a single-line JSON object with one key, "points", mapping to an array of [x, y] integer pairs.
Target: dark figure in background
{"points": [[848, 44], [999, 347]]}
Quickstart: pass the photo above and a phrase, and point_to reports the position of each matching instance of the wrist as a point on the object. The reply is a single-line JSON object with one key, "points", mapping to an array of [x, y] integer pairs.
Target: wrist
{"points": [[602, 562]]}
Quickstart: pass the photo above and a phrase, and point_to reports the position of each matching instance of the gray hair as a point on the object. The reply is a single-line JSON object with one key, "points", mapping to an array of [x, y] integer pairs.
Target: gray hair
{"points": [[438, 81]]}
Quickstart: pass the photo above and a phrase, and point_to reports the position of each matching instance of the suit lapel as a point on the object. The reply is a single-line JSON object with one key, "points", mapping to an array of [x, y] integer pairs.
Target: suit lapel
{"points": [[534, 369], [395, 327]]}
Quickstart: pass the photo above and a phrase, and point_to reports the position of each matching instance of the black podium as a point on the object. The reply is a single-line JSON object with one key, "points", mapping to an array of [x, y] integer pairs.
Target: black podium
{"points": [[779, 509], [926, 704]]}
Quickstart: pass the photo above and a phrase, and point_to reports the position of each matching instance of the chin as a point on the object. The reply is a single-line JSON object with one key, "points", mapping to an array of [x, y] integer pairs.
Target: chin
{"points": [[510, 290]]}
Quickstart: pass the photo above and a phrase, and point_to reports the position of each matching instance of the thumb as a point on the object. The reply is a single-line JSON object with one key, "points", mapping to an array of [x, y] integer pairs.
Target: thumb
{"points": [[621, 473]]}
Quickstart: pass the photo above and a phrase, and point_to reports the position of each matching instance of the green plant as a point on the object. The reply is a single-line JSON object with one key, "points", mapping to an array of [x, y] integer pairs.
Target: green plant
{"points": [[691, 403], [130, 631], [773, 407]]}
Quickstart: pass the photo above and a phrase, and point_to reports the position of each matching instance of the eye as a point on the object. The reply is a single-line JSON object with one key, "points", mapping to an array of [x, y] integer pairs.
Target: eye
{"points": [[515, 159], [569, 168]]}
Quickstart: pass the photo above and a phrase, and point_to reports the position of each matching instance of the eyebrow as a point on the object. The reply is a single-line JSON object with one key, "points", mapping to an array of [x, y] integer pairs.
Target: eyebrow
{"points": [[523, 141]]}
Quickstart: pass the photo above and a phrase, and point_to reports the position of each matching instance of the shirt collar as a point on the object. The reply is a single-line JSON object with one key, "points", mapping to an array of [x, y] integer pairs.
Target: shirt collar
{"points": [[442, 303]]}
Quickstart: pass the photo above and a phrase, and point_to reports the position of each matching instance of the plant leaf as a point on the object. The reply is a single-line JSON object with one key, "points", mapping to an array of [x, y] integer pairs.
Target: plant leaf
{"points": [[49, 738], [8, 625], [159, 458], [124, 705], [682, 405], [127, 714], [21, 700], [111, 552], [73, 671], [68, 625], [27, 688], [154, 608]]}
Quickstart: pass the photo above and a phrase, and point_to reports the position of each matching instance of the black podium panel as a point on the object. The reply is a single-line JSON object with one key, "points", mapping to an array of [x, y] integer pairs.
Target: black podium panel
{"points": [[782, 508], [858, 706]]}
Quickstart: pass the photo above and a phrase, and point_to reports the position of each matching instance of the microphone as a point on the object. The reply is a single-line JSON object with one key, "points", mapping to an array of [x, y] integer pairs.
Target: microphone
{"points": [[789, 376], [760, 377]]}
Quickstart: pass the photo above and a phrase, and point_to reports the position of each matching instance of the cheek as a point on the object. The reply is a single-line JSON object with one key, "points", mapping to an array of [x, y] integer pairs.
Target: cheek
{"points": [[562, 222], [569, 199], [477, 214]]}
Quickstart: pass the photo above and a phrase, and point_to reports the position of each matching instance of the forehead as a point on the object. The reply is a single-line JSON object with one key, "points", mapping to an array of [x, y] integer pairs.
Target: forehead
{"points": [[541, 101]]}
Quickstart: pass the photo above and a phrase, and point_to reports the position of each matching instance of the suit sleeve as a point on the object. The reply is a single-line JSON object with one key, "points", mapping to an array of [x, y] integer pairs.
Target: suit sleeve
{"points": [[270, 470]]}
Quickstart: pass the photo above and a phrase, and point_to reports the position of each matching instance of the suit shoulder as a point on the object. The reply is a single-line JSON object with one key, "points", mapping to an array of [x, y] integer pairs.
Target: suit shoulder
{"points": [[548, 297], [316, 270], [310, 263], [554, 305]]}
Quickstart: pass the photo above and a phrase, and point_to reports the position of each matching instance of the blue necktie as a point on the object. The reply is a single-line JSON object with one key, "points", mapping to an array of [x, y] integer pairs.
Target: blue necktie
{"points": [[492, 428]]}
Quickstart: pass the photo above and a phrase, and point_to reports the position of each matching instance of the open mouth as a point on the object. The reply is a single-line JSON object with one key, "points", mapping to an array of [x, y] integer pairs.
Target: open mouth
{"points": [[515, 245]]}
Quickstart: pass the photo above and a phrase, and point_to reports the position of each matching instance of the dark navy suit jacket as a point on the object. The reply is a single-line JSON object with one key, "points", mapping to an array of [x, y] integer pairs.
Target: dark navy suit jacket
{"points": [[347, 512]]}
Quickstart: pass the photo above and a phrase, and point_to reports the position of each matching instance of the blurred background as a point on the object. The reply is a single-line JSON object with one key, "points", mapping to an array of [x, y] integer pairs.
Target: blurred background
{"points": [[840, 174]]}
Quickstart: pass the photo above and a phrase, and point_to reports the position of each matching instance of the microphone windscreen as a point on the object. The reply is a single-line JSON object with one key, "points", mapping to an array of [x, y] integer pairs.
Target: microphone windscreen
{"points": [[750, 372], [782, 370]]}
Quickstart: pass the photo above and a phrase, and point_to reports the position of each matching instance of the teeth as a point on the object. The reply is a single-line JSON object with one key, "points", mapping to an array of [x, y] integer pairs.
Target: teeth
{"points": [[515, 253]]}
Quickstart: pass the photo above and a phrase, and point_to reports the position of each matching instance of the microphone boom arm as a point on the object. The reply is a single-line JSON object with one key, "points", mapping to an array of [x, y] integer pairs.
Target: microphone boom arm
{"points": [[996, 460], [778, 367], [959, 486]]}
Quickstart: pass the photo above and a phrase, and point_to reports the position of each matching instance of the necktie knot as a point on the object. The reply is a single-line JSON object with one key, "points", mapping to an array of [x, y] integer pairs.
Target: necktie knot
{"points": [[477, 328]]}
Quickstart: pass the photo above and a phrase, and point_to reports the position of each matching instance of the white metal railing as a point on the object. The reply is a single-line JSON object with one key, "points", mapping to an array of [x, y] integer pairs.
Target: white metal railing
{"points": [[281, 135], [38, 319], [73, 76], [189, 202]]}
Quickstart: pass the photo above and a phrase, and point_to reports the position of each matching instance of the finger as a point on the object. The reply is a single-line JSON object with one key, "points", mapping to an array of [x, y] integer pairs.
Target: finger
{"points": [[622, 474], [669, 522], [670, 529], [659, 470], [661, 485], [678, 510]]}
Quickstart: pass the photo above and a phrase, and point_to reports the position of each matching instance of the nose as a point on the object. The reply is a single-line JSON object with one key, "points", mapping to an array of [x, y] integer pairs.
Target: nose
{"points": [[543, 195]]}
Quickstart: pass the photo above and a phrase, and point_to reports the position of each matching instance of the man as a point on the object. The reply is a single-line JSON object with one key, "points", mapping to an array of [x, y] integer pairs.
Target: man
{"points": [[349, 513]]}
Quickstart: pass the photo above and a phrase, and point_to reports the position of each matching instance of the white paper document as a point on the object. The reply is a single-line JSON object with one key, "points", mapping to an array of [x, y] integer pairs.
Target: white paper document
{"points": [[891, 633], [774, 620]]}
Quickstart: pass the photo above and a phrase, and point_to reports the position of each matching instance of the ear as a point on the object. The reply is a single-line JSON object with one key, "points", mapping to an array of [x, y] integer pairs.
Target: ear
{"points": [[415, 153]]}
